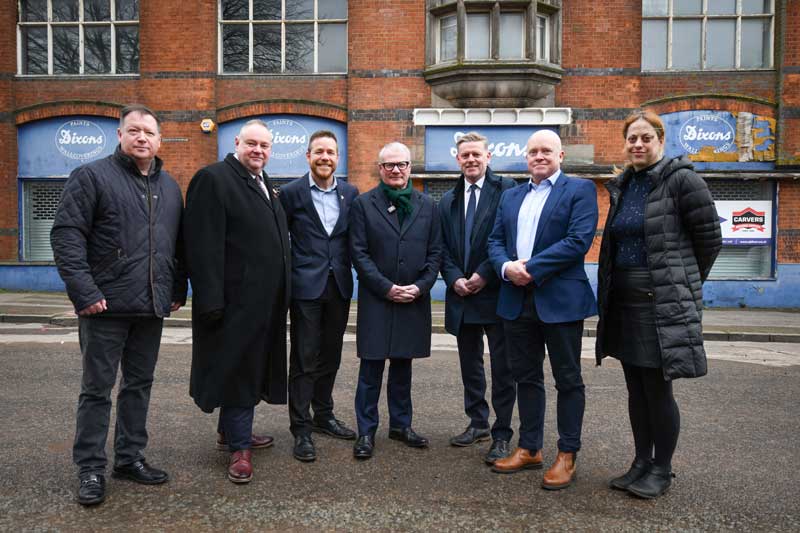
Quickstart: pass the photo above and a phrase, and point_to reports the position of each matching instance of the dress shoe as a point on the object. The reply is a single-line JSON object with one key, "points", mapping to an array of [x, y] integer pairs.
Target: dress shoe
{"points": [[498, 450], [334, 428], [470, 436], [364, 447], [520, 459], [304, 449], [653, 483], [638, 469], [92, 489], [408, 437], [240, 469], [140, 472], [256, 442], [562, 473]]}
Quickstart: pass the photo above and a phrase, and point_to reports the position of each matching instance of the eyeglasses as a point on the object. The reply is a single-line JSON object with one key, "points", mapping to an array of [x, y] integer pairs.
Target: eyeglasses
{"points": [[401, 165]]}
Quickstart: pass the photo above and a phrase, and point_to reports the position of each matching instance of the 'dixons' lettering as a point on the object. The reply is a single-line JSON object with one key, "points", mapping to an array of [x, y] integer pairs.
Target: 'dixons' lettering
{"points": [[693, 133], [70, 137]]}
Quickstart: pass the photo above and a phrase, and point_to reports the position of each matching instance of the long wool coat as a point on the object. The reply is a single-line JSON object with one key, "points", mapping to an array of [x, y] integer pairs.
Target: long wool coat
{"points": [[683, 238], [239, 262], [384, 254]]}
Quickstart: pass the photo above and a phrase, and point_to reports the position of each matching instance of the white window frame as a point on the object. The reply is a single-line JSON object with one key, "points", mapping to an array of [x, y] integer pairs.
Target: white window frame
{"points": [[250, 21], [704, 18], [50, 24]]}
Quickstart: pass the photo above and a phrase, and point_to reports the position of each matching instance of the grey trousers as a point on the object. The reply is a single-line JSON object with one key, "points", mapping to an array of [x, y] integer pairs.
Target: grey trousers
{"points": [[107, 344]]}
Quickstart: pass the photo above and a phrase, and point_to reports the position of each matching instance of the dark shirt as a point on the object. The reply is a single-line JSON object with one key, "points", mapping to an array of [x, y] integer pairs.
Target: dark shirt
{"points": [[627, 228]]}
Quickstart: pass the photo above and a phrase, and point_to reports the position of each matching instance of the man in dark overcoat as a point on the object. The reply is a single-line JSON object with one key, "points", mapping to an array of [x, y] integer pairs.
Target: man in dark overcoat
{"points": [[237, 246], [317, 207], [395, 246], [467, 212]]}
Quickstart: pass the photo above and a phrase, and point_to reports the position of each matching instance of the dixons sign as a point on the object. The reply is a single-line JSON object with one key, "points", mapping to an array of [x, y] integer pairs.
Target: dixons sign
{"points": [[80, 139], [54, 147], [290, 134], [707, 130]]}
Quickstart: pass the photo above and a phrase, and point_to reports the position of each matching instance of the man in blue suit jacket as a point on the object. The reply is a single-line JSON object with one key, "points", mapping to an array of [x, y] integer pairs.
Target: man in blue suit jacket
{"points": [[467, 213], [317, 208], [541, 233]]}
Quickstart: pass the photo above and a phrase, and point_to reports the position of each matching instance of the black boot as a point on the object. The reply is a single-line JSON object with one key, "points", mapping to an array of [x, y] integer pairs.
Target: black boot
{"points": [[653, 484], [637, 470]]}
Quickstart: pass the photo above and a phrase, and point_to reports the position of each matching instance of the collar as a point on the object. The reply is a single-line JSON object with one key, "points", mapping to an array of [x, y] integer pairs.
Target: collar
{"points": [[479, 183], [552, 179], [312, 184], [254, 176]]}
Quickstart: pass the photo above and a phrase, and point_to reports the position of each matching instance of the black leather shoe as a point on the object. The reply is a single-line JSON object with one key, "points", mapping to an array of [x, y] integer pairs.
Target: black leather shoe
{"points": [[498, 450], [304, 448], [471, 436], [334, 428], [408, 437], [652, 484], [638, 469], [364, 447], [140, 472], [92, 489]]}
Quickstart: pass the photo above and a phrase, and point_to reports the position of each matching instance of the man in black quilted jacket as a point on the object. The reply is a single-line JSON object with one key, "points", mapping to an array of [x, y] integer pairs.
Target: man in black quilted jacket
{"points": [[115, 241]]}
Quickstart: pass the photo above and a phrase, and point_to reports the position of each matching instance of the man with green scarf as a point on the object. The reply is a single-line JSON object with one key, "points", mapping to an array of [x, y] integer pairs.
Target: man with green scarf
{"points": [[395, 247]]}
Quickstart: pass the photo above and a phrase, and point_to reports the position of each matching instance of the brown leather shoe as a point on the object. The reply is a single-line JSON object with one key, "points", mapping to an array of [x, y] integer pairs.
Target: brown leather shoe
{"points": [[562, 473], [257, 442], [520, 459], [241, 467]]}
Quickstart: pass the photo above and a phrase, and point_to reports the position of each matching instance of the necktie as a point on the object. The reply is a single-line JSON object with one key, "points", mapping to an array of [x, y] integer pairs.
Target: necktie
{"points": [[261, 184], [468, 223]]}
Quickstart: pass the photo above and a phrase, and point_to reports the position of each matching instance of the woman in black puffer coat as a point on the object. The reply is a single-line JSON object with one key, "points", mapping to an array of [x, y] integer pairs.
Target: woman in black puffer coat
{"points": [[660, 240]]}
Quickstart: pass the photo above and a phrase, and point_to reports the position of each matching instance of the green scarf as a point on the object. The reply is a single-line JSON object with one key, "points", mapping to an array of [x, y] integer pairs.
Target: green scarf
{"points": [[400, 198]]}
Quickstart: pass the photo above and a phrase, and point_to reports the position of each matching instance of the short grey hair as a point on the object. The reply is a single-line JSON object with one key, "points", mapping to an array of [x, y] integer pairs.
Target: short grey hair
{"points": [[394, 146], [254, 122]]}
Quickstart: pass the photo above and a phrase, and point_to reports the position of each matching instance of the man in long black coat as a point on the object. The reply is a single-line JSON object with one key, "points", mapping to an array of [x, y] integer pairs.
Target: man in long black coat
{"points": [[467, 212], [395, 246], [237, 249]]}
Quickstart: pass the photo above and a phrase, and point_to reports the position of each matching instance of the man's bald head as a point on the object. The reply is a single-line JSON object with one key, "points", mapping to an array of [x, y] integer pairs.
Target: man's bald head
{"points": [[544, 155]]}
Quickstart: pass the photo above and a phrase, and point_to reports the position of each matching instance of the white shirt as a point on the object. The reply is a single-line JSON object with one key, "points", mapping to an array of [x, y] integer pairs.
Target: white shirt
{"points": [[467, 185]]}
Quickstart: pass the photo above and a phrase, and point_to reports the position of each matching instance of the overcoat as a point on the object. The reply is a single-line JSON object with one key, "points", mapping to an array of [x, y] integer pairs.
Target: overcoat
{"points": [[385, 254], [239, 263], [683, 238], [480, 308]]}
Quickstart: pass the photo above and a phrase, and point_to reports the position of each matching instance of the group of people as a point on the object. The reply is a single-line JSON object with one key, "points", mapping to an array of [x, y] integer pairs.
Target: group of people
{"points": [[511, 256]]}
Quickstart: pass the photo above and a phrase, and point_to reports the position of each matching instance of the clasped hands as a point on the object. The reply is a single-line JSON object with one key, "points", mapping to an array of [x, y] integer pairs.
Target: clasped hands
{"points": [[403, 294], [517, 274], [473, 285]]}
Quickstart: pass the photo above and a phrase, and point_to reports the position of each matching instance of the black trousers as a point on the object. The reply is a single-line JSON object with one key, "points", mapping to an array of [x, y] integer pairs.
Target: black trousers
{"points": [[473, 377], [107, 344], [398, 394], [527, 338], [317, 330]]}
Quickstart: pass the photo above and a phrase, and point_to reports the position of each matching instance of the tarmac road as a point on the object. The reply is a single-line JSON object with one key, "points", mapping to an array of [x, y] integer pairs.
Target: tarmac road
{"points": [[736, 462]]}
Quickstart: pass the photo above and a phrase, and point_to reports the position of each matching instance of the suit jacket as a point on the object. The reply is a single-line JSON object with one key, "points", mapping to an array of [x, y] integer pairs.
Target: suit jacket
{"points": [[480, 308], [237, 246], [564, 235], [314, 252], [385, 254]]}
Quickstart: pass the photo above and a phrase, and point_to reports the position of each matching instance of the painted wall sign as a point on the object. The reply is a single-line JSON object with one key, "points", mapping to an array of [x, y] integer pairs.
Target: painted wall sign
{"points": [[721, 139], [290, 134], [56, 146], [745, 223], [506, 143]]}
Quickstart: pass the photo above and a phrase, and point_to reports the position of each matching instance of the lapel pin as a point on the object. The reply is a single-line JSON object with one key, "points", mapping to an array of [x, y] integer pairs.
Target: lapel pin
{"points": [[392, 209]]}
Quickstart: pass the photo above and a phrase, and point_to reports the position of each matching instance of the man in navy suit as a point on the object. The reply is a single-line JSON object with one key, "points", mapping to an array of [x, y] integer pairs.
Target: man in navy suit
{"points": [[317, 209], [541, 233], [467, 213]]}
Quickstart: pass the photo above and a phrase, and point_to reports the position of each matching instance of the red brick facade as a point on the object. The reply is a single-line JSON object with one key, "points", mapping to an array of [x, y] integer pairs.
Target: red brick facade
{"points": [[601, 57]]}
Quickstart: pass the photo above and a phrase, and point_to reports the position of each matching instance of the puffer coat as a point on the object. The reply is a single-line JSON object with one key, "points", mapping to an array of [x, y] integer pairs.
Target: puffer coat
{"points": [[683, 238], [116, 237]]}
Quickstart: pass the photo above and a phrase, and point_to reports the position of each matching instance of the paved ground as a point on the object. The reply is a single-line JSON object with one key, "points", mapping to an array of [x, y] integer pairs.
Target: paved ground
{"points": [[736, 463]]}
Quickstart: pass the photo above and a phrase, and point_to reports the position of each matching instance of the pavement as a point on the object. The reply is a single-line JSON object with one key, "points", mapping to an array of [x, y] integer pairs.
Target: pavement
{"points": [[741, 324], [736, 462]]}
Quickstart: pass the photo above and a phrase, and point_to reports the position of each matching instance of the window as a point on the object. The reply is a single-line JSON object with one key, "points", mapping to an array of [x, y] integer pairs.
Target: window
{"points": [[283, 36], [477, 23], [707, 34], [83, 37]]}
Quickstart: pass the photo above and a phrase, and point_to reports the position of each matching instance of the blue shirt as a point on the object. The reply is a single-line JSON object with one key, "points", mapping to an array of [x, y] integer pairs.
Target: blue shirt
{"points": [[529, 214], [627, 228], [326, 202]]}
